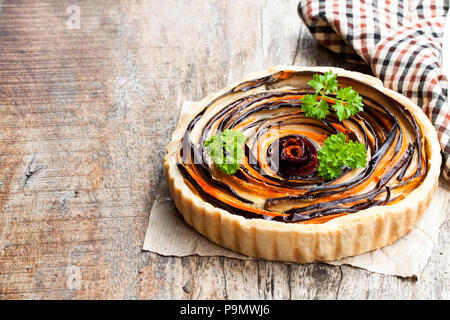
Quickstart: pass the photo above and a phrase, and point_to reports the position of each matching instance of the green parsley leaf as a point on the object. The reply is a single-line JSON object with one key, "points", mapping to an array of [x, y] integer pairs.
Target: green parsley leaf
{"points": [[214, 147], [326, 82], [346, 104], [313, 108], [350, 104], [226, 149], [336, 154], [316, 83]]}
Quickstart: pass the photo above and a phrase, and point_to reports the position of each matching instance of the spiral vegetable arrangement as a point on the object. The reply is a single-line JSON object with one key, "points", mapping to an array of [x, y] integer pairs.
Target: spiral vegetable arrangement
{"points": [[293, 147]]}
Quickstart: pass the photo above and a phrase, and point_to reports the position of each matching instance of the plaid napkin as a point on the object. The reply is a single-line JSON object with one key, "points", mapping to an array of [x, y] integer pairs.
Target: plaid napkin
{"points": [[402, 42]]}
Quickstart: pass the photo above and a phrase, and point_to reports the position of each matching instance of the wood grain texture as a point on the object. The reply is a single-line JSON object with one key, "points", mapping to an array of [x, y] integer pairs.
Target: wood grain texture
{"points": [[85, 116]]}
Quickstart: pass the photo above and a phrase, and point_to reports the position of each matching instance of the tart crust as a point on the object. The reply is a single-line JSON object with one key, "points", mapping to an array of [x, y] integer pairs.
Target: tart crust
{"points": [[340, 237]]}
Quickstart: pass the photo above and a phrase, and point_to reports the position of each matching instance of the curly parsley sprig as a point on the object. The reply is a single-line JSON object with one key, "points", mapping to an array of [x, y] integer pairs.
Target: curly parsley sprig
{"points": [[346, 103], [337, 154], [226, 149]]}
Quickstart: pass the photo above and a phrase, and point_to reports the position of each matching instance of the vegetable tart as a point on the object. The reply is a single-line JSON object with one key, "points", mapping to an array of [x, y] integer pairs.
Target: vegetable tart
{"points": [[303, 164]]}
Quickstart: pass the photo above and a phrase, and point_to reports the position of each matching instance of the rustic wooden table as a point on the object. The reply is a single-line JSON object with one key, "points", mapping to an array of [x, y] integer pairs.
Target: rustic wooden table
{"points": [[89, 93]]}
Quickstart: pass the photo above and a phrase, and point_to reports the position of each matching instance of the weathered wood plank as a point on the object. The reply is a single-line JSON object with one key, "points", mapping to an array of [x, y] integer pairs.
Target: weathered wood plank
{"points": [[75, 103], [85, 115]]}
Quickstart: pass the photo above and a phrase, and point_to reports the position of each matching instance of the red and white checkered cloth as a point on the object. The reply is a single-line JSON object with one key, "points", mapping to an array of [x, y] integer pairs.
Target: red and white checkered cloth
{"points": [[402, 42]]}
